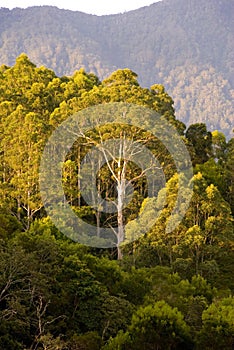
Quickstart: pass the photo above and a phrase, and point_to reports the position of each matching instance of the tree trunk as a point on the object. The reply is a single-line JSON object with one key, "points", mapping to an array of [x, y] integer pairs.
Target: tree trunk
{"points": [[98, 222], [120, 235]]}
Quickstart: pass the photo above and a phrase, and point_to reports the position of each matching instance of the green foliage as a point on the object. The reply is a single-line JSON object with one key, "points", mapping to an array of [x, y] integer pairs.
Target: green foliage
{"points": [[201, 141], [47, 288], [205, 234], [121, 342], [229, 176], [218, 326], [87, 341], [169, 290], [154, 326], [9, 224]]}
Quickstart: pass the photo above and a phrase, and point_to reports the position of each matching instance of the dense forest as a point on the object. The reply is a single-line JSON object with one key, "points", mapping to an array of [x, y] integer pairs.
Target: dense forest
{"points": [[185, 45], [167, 290]]}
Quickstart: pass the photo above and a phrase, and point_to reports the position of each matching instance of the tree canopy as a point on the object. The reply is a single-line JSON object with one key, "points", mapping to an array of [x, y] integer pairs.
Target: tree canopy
{"points": [[166, 289]]}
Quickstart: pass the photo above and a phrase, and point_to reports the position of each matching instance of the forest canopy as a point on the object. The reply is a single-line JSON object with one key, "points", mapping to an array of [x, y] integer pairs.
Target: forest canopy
{"points": [[164, 290]]}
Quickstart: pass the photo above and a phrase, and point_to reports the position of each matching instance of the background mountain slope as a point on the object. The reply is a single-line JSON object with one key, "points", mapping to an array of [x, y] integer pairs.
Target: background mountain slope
{"points": [[187, 45]]}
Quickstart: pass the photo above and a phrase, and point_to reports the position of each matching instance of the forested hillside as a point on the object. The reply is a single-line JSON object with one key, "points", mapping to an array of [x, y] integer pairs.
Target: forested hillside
{"points": [[167, 290], [186, 45]]}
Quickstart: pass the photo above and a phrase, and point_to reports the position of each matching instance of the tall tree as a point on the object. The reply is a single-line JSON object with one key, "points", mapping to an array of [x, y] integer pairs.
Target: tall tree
{"points": [[201, 141]]}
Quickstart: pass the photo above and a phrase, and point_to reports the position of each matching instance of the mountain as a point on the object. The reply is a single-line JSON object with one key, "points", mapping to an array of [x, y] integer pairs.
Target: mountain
{"points": [[186, 45]]}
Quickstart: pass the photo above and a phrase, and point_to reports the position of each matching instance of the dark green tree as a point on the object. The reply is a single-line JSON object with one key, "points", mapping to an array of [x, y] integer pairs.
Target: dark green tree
{"points": [[201, 142]]}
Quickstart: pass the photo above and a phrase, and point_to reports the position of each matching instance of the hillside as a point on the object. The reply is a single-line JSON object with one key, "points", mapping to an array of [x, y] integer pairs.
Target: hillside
{"points": [[185, 45]]}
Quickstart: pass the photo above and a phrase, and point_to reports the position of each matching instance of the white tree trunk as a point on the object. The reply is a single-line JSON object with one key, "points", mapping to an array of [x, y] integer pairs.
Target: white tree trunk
{"points": [[120, 221]]}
